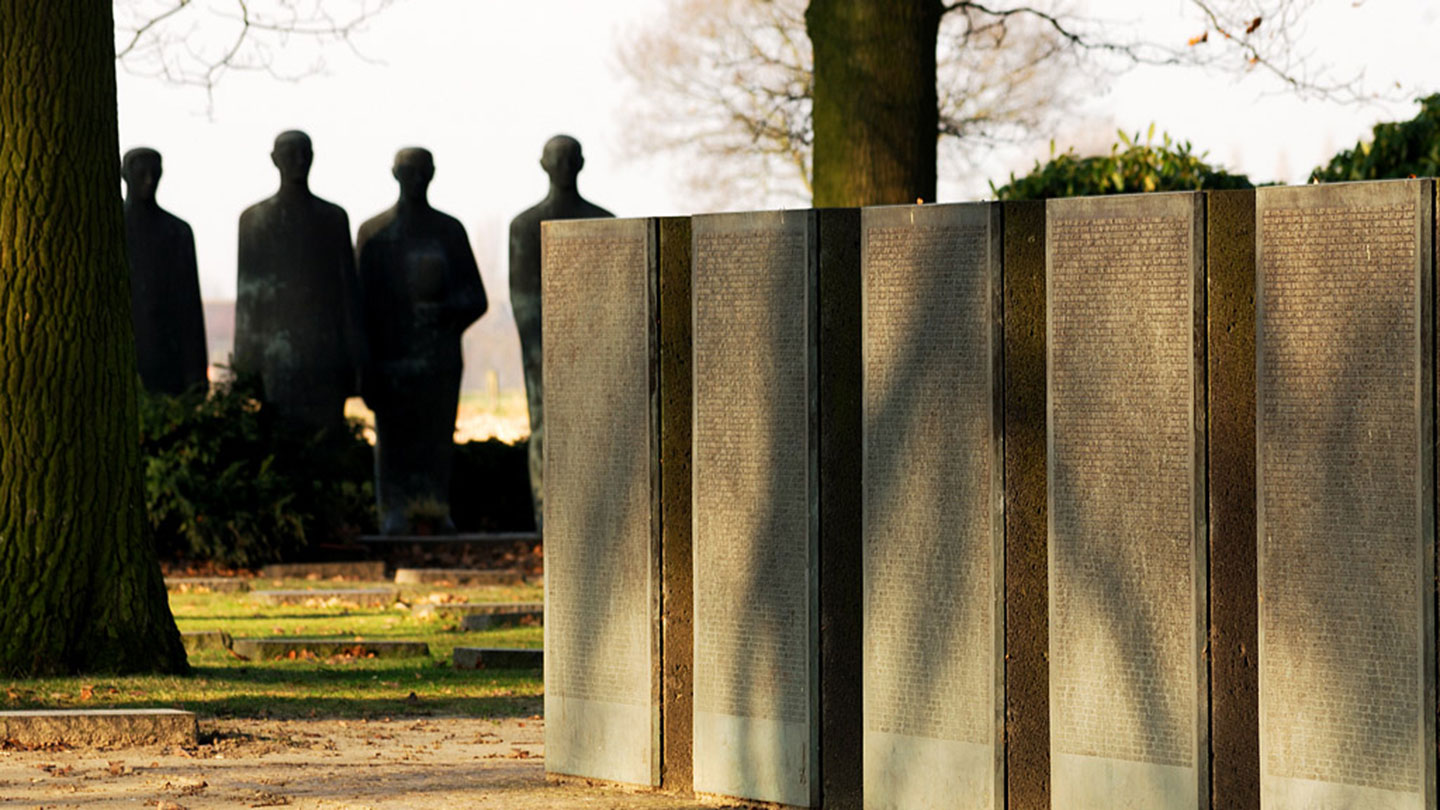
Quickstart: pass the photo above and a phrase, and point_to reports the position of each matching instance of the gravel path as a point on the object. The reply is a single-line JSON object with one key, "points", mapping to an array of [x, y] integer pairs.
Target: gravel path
{"points": [[413, 763]]}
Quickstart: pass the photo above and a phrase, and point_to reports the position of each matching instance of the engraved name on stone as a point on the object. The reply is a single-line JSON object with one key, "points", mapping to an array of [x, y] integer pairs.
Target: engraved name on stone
{"points": [[931, 510], [1126, 541], [1345, 517], [752, 513]]}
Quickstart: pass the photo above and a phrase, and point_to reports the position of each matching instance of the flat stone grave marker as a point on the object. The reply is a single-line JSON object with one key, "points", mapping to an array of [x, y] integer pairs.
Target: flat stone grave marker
{"points": [[611, 531], [266, 649], [339, 596], [933, 507], [458, 576], [207, 584], [364, 570], [1344, 377], [777, 506], [472, 608], [198, 640], [99, 728], [491, 621], [495, 658], [1127, 501]]}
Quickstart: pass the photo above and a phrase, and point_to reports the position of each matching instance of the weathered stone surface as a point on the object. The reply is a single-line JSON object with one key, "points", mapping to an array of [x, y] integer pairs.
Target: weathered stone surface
{"points": [[933, 507], [677, 567], [562, 160], [494, 658], [608, 412], [1230, 410], [457, 576], [108, 728], [265, 649], [297, 307], [1126, 478], [207, 584], [1027, 637], [491, 621], [355, 596], [165, 307], [472, 608], [366, 570], [198, 640], [1346, 495], [777, 495], [420, 290]]}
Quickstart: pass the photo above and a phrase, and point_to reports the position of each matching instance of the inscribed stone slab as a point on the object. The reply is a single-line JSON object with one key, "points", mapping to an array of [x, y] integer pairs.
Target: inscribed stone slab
{"points": [[1346, 495], [601, 595], [1125, 308], [755, 514], [933, 520]]}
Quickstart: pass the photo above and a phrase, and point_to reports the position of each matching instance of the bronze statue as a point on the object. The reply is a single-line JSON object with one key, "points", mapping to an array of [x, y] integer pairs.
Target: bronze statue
{"points": [[562, 160], [297, 307], [165, 303], [421, 290]]}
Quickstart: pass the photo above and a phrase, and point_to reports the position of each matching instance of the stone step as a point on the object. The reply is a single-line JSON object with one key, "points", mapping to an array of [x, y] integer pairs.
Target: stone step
{"points": [[366, 570], [472, 608], [353, 596], [458, 576], [207, 584], [100, 727], [197, 640], [268, 649], [491, 621], [496, 658]]}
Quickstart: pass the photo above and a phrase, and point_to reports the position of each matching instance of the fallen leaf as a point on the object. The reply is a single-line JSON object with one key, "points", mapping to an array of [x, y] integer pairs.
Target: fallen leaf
{"points": [[1255, 23], [87, 692], [1205, 37]]}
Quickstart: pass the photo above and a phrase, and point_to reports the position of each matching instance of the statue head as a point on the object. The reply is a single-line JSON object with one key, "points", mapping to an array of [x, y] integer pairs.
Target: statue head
{"points": [[292, 156], [562, 160], [141, 169], [414, 169]]}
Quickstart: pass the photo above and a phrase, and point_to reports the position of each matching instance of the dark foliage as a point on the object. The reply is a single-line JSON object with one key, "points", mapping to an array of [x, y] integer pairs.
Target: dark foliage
{"points": [[1398, 150], [1131, 167]]}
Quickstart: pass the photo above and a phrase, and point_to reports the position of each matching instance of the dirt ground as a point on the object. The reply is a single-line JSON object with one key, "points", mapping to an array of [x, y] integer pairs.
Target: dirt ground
{"points": [[424, 763]]}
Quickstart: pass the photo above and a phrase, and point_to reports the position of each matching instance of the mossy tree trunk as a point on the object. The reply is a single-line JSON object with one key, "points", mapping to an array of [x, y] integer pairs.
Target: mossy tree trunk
{"points": [[80, 588], [876, 111]]}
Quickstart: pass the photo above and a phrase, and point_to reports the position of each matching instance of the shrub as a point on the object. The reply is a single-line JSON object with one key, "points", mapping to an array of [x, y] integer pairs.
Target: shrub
{"points": [[1134, 168], [226, 482], [1398, 150]]}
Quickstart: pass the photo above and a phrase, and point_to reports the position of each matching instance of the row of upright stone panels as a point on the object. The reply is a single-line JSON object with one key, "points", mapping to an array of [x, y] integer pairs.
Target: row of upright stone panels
{"points": [[1121, 502]]}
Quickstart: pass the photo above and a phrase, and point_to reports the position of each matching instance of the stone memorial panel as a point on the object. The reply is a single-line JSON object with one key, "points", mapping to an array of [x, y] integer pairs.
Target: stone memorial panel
{"points": [[601, 596], [776, 507], [1346, 496], [1125, 309], [933, 521]]}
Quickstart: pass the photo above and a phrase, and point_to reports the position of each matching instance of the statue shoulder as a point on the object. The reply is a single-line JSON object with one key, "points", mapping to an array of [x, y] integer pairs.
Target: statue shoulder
{"points": [[528, 220], [257, 213], [374, 225], [593, 211], [332, 213]]}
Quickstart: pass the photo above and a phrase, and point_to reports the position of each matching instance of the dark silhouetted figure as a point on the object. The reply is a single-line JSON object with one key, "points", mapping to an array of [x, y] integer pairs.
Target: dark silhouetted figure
{"points": [[562, 160], [297, 307], [421, 289], [164, 283]]}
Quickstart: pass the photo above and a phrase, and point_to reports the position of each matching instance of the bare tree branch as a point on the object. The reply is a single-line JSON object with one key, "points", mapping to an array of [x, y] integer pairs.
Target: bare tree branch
{"points": [[196, 42]]}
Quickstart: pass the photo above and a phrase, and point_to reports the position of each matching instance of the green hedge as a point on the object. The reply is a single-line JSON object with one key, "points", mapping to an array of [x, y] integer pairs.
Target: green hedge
{"points": [[1131, 167], [1398, 150]]}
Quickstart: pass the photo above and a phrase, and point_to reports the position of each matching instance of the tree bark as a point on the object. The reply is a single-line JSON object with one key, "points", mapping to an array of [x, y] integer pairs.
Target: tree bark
{"points": [[876, 111], [80, 587]]}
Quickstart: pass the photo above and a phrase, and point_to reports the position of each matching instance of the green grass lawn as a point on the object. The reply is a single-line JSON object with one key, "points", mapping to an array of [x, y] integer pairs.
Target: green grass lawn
{"points": [[222, 685]]}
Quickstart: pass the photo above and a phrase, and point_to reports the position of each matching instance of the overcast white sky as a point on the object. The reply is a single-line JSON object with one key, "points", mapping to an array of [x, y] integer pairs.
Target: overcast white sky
{"points": [[483, 84]]}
